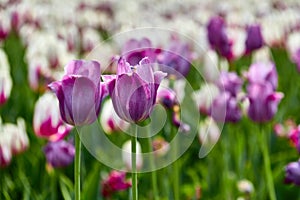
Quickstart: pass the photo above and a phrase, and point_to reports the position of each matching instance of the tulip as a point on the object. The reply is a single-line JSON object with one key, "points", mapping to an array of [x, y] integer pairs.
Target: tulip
{"points": [[254, 38], [47, 121], [13, 140], [133, 90], [135, 50], [292, 173], [209, 133], [5, 155], [19, 141], [294, 136], [60, 153], [115, 182], [245, 186], [109, 120], [230, 82], [205, 96], [225, 108], [166, 97], [262, 72], [296, 58], [80, 92], [178, 57], [160, 146], [5, 78], [286, 129], [217, 37], [263, 102]]}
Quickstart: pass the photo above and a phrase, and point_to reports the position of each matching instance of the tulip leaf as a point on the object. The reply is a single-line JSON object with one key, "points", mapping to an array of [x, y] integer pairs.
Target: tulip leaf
{"points": [[90, 188]]}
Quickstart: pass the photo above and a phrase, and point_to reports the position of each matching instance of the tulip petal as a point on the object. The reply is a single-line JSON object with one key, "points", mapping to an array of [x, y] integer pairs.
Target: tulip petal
{"points": [[123, 67], [145, 71], [84, 105], [89, 69]]}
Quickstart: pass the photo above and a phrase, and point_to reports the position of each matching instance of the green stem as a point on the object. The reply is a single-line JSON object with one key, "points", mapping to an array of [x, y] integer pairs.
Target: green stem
{"points": [[77, 166], [153, 171], [175, 167], [263, 140], [53, 185], [133, 165]]}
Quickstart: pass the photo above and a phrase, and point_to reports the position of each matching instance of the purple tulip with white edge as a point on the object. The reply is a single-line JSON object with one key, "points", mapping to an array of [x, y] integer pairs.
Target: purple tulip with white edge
{"points": [[262, 72], [80, 92], [133, 90], [60, 153]]}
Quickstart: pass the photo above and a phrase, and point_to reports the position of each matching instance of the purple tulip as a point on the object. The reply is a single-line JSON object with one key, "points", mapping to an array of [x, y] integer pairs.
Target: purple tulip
{"points": [[60, 153], [262, 72], [263, 101], [80, 92], [254, 38], [217, 37], [225, 108], [292, 173], [135, 50], [230, 82], [177, 56], [166, 97], [133, 90]]}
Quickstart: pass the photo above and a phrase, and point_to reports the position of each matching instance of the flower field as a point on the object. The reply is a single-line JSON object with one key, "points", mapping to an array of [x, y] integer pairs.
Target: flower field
{"points": [[149, 99]]}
